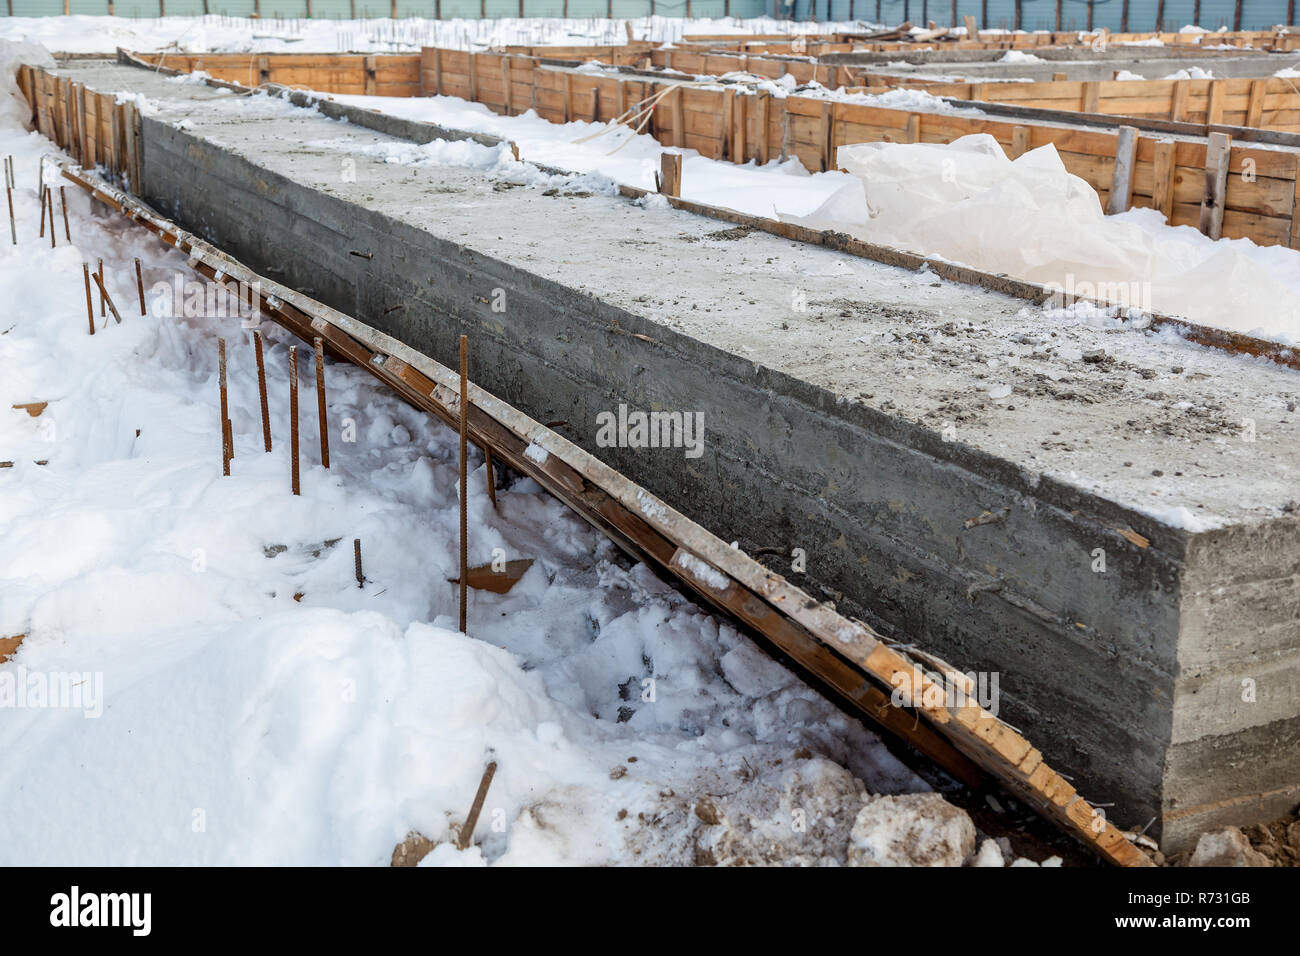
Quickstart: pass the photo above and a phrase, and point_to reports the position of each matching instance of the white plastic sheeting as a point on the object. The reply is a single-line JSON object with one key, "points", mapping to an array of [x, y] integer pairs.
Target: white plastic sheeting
{"points": [[968, 202]]}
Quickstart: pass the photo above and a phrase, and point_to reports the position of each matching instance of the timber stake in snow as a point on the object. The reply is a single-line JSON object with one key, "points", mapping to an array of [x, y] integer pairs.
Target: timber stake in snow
{"points": [[293, 421], [63, 204], [104, 296], [9, 193], [467, 831], [319, 343]]}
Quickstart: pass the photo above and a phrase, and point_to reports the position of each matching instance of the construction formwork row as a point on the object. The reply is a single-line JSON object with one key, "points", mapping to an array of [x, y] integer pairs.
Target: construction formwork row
{"points": [[1278, 39]]}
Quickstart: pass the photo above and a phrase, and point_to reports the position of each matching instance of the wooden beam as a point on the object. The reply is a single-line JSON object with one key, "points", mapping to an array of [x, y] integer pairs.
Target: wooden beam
{"points": [[506, 84], [1214, 114], [1019, 141], [1255, 106], [1091, 98], [1121, 187], [1217, 154], [679, 117], [1162, 197], [763, 120], [825, 129], [1178, 101], [670, 174]]}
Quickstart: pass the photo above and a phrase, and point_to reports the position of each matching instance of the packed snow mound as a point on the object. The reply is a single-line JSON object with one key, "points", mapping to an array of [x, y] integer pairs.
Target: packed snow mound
{"points": [[14, 110], [1031, 218], [915, 829]]}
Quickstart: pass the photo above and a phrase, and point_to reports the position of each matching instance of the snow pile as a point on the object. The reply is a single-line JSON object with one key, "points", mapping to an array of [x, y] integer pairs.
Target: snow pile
{"points": [[1030, 218], [1190, 73], [1126, 75], [1019, 56]]}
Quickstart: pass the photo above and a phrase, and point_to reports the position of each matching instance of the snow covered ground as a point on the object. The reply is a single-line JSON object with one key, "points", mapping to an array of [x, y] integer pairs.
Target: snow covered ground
{"points": [[203, 682]]}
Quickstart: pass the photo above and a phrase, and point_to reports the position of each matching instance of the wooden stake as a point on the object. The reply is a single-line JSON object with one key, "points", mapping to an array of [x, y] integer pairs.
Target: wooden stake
{"points": [[261, 389], [670, 175], [90, 303], [293, 421], [491, 476], [1216, 184], [467, 831], [63, 203], [226, 438], [356, 559], [99, 271], [320, 401], [464, 471], [139, 282], [1121, 185]]}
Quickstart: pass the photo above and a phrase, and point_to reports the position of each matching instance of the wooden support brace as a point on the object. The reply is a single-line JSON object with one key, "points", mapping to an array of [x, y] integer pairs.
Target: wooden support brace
{"points": [[1162, 197], [1217, 154], [670, 174], [1121, 184]]}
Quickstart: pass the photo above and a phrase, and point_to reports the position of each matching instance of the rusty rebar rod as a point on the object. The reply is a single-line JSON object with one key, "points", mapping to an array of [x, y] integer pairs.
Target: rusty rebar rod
{"points": [[356, 559], [90, 302], [464, 469], [293, 421], [105, 297], [63, 204], [99, 271], [49, 201], [41, 195], [261, 390], [139, 283], [319, 343], [226, 437]]}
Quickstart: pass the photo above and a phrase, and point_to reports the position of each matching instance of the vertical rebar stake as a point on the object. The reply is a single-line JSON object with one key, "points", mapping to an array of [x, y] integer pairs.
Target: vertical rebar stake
{"points": [[100, 272], [42, 198], [356, 557], [49, 200], [226, 450], [90, 303], [139, 284], [293, 420], [464, 468], [63, 204], [261, 390], [319, 343]]}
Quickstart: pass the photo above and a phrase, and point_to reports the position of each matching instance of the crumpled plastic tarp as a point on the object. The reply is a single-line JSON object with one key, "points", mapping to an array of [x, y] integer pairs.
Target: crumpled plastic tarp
{"points": [[967, 202]]}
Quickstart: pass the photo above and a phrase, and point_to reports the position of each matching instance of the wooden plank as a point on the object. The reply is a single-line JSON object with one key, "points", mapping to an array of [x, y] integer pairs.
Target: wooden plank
{"points": [[764, 112], [508, 86], [1295, 213], [1178, 101], [678, 119], [1121, 189], [1214, 114], [1019, 141], [740, 117], [1216, 181], [1162, 196], [670, 174], [824, 133], [1091, 97], [1255, 111]]}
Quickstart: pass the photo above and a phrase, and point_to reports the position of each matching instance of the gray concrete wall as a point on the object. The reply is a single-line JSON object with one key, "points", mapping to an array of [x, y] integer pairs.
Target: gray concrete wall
{"points": [[1099, 670]]}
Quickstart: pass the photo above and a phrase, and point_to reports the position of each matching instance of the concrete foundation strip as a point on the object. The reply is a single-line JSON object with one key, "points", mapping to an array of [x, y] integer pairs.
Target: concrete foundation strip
{"points": [[847, 654]]}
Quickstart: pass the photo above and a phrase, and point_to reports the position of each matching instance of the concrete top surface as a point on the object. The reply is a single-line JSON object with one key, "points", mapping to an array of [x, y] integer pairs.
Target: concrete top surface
{"points": [[1148, 421]]}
